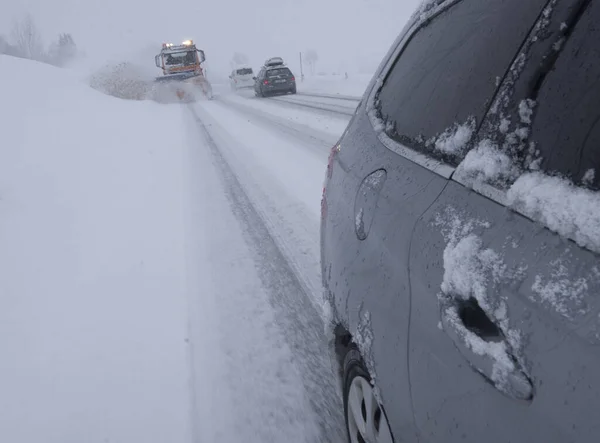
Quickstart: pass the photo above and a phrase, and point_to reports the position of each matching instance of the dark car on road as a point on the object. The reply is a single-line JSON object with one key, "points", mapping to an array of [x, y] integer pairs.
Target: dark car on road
{"points": [[274, 78], [460, 231]]}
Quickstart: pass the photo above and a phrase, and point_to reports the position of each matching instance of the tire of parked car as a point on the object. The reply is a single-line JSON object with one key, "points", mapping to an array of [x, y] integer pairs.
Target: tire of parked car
{"points": [[365, 417]]}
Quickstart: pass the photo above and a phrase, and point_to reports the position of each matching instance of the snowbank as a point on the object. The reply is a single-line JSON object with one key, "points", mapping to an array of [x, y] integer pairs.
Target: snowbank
{"points": [[92, 281], [122, 80]]}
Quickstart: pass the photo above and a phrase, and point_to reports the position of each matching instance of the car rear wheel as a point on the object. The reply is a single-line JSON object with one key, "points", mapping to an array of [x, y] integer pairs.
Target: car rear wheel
{"points": [[366, 421]]}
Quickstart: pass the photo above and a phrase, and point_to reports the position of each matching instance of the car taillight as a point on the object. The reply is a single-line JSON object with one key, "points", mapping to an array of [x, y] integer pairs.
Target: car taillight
{"points": [[266, 82], [293, 79]]}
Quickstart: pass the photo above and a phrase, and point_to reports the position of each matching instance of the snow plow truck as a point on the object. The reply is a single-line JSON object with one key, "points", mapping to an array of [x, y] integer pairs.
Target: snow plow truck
{"points": [[182, 67]]}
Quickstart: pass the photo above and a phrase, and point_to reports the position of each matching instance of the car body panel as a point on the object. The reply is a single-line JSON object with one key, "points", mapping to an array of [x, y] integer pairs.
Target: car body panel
{"points": [[551, 288], [370, 285], [428, 240]]}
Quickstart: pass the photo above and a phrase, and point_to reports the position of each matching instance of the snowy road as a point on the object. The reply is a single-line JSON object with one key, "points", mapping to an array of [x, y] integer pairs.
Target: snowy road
{"points": [[264, 218], [327, 104], [164, 284]]}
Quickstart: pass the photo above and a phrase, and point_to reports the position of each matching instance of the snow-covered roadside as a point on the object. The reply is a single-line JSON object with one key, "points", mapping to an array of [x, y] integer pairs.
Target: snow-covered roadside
{"points": [[353, 86], [92, 270], [251, 383]]}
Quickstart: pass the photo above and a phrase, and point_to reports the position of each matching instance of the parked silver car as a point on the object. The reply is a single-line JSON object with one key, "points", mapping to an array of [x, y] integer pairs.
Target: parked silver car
{"points": [[460, 230]]}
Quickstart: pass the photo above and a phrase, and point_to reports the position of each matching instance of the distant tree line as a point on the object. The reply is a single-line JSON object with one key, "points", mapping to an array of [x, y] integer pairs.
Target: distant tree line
{"points": [[26, 42]]}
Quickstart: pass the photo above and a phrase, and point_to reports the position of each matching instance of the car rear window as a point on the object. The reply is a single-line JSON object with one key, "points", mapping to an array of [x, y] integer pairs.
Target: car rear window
{"points": [[448, 73], [279, 71], [566, 122], [244, 71]]}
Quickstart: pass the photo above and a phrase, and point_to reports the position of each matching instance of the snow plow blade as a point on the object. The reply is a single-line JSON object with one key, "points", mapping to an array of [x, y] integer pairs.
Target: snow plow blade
{"points": [[181, 87], [185, 86]]}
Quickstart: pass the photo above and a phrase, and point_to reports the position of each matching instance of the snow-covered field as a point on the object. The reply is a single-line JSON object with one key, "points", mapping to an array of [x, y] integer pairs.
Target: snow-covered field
{"points": [[353, 86], [159, 276]]}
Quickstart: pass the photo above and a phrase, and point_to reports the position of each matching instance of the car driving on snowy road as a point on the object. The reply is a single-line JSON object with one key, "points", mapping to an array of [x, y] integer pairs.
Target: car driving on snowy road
{"points": [[241, 77], [274, 77], [460, 232]]}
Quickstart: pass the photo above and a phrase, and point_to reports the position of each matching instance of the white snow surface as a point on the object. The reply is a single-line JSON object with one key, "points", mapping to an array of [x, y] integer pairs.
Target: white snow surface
{"points": [[92, 287], [363, 337], [569, 210], [560, 290], [132, 305], [284, 180], [471, 270], [486, 163], [454, 140], [330, 124], [526, 110], [353, 86], [246, 387], [589, 176]]}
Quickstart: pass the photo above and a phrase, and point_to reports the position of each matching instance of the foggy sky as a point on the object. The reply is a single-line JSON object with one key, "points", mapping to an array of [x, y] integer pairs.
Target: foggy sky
{"points": [[347, 34]]}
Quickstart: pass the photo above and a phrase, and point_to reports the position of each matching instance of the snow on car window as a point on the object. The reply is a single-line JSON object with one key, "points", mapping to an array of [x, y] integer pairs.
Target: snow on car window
{"points": [[455, 139], [571, 211], [544, 149], [445, 78], [487, 163]]}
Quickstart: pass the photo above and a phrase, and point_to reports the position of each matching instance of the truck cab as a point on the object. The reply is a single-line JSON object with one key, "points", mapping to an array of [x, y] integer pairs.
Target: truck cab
{"points": [[176, 59]]}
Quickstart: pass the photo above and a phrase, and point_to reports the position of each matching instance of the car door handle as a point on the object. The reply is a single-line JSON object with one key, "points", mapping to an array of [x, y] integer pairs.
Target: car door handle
{"points": [[485, 346]]}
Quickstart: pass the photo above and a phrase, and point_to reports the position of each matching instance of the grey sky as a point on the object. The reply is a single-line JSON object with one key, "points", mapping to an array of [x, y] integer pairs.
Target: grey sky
{"points": [[347, 34]]}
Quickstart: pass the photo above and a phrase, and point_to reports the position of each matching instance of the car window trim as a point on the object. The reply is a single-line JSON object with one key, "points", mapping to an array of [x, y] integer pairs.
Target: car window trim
{"points": [[411, 154]]}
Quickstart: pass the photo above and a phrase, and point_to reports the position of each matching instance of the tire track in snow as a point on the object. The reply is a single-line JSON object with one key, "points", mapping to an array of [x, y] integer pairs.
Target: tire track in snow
{"points": [[319, 141], [244, 380], [302, 324], [284, 184], [329, 106], [320, 104], [349, 98]]}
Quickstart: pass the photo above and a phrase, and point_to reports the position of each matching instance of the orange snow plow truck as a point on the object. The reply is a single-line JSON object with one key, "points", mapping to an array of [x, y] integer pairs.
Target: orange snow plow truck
{"points": [[183, 63]]}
